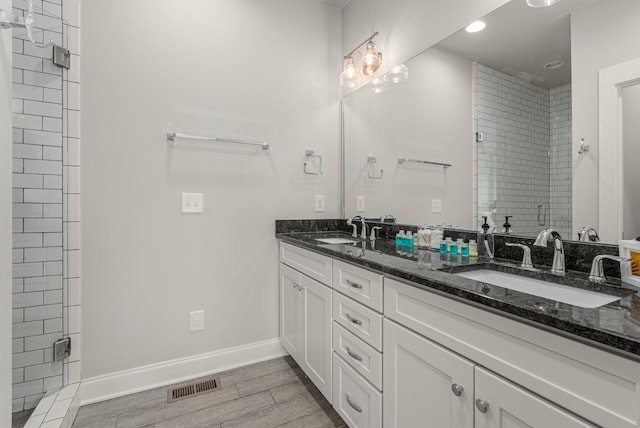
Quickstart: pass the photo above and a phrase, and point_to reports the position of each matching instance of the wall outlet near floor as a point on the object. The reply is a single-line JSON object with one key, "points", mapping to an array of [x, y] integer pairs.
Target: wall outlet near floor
{"points": [[436, 205], [360, 204], [196, 320], [319, 207], [192, 203]]}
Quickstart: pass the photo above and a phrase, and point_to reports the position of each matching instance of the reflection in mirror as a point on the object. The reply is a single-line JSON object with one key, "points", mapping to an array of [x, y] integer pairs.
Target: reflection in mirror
{"points": [[510, 83], [631, 160]]}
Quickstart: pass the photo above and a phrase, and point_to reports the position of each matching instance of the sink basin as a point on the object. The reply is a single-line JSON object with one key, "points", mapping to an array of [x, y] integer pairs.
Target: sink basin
{"points": [[336, 240], [561, 293]]}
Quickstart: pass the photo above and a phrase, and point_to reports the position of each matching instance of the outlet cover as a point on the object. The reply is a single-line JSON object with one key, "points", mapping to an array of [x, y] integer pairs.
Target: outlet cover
{"points": [[192, 203], [360, 204], [319, 207], [436, 205], [196, 320]]}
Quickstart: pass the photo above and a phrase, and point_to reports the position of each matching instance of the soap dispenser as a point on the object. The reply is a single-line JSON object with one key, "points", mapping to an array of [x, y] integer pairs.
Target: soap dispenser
{"points": [[485, 241], [506, 226]]}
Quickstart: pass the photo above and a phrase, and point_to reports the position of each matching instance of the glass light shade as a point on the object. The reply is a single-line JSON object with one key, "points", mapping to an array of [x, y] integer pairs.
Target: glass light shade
{"points": [[475, 26], [371, 60], [541, 3], [376, 86], [398, 74], [350, 75]]}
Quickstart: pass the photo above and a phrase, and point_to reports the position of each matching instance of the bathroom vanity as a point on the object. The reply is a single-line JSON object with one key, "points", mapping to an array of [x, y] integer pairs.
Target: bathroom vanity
{"points": [[400, 340]]}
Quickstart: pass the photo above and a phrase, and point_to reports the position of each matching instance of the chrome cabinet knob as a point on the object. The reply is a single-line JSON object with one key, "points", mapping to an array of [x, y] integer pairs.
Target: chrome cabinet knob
{"points": [[482, 406], [457, 389]]}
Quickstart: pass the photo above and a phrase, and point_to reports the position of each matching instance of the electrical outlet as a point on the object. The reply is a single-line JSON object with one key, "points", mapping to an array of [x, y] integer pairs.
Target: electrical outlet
{"points": [[360, 204], [436, 205], [319, 203], [192, 203], [196, 320]]}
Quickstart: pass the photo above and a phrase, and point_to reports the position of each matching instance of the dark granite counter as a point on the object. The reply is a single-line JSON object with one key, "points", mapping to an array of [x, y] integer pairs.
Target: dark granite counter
{"points": [[614, 327]]}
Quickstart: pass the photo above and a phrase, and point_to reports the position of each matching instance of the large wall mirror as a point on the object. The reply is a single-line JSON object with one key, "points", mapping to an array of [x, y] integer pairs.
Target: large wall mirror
{"points": [[491, 123]]}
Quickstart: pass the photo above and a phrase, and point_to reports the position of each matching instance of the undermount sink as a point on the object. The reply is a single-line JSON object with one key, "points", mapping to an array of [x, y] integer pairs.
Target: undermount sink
{"points": [[336, 240], [548, 290]]}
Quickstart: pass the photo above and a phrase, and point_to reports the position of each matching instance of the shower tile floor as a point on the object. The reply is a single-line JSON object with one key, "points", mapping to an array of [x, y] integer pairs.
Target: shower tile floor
{"points": [[274, 393]]}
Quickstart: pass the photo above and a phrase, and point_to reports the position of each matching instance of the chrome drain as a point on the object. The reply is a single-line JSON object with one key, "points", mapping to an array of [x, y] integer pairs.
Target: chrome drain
{"points": [[193, 389]]}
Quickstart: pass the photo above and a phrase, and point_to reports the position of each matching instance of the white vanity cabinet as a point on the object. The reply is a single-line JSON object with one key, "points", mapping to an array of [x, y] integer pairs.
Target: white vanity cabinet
{"points": [[426, 382], [551, 378], [357, 345], [305, 314]]}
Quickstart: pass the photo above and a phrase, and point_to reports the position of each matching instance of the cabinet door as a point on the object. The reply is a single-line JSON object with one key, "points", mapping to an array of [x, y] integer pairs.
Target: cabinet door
{"points": [[315, 349], [290, 321], [500, 403], [424, 383]]}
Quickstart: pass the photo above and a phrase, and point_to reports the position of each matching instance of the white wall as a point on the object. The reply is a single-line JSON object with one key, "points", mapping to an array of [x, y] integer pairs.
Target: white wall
{"points": [[407, 27], [236, 68], [5, 221], [427, 117], [601, 36]]}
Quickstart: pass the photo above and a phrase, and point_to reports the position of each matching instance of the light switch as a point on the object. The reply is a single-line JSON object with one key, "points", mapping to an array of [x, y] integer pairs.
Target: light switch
{"points": [[319, 203], [192, 203], [196, 320], [360, 204]]}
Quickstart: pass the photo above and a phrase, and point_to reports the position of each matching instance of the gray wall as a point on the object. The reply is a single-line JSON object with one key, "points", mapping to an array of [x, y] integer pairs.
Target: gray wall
{"points": [[248, 68], [5, 222], [37, 211], [561, 193]]}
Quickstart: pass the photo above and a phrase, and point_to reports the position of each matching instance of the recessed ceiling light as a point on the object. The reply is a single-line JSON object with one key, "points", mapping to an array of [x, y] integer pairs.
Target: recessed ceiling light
{"points": [[541, 3], [476, 26], [554, 64]]}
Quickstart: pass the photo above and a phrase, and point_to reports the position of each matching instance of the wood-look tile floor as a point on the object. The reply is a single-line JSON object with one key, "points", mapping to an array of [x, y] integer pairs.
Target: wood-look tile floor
{"points": [[274, 393]]}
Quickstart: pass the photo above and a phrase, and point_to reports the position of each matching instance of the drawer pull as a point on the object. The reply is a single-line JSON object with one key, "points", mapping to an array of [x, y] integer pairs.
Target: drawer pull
{"points": [[353, 405], [352, 319], [457, 389], [354, 284], [483, 406], [354, 356]]}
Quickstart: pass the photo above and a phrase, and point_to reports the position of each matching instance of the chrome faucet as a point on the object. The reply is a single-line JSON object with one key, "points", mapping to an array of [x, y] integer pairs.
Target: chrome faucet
{"points": [[588, 234], [350, 221], [373, 233], [557, 268], [526, 255], [597, 270]]}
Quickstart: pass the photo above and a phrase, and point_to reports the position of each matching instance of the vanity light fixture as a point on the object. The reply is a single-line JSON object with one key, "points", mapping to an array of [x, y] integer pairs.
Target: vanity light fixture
{"points": [[376, 86], [397, 74], [541, 3], [475, 26], [552, 65], [369, 62]]}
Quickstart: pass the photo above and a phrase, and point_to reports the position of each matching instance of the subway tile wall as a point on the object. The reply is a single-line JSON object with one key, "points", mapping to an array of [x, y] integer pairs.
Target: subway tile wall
{"points": [[43, 215], [524, 161], [561, 162]]}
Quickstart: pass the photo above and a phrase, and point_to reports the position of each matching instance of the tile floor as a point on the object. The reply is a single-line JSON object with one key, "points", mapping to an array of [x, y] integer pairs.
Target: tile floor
{"points": [[275, 393]]}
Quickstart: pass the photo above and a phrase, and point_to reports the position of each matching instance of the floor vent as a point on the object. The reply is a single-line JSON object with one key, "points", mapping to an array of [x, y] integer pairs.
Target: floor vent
{"points": [[193, 389]]}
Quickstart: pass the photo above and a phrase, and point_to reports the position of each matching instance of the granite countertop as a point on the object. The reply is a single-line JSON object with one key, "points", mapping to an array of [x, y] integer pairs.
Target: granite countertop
{"points": [[614, 327]]}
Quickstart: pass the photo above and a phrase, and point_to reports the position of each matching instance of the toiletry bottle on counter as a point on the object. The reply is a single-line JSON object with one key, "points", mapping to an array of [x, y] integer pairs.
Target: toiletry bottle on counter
{"points": [[473, 248], [453, 247], [464, 249], [459, 243]]}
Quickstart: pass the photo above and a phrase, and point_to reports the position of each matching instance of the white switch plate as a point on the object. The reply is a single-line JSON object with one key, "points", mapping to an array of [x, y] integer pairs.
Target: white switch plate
{"points": [[436, 205], [196, 320], [319, 203], [360, 204], [192, 203]]}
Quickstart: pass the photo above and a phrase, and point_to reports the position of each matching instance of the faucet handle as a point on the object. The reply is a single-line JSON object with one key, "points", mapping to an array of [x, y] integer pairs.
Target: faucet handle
{"points": [[597, 270], [526, 255], [373, 232]]}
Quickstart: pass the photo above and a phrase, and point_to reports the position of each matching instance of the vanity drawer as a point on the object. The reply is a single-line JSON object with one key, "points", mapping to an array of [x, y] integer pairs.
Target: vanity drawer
{"points": [[311, 264], [358, 319], [360, 356], [361, 285], [355, 400]]}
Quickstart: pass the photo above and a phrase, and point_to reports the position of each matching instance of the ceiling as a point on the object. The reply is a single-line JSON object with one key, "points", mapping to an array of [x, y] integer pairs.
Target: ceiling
{"points": [[337, 3], [520, 40]]}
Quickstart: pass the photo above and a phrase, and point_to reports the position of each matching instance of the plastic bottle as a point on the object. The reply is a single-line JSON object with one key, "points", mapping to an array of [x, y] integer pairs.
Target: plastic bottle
{"points": [[473, 248], [453, 247], [464, 249], [460, 241]]}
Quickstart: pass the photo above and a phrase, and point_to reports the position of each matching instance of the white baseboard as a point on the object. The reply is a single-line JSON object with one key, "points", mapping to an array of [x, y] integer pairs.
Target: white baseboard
{"points": [[130, 381]]}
